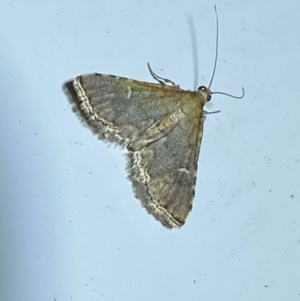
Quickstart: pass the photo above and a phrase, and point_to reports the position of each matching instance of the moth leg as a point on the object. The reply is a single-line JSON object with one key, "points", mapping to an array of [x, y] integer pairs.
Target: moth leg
{"points": [[213, 112], [161, 80]]}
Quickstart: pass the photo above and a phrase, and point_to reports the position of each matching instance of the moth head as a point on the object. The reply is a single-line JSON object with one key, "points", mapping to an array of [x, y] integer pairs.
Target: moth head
{"points": [[205, 92]]}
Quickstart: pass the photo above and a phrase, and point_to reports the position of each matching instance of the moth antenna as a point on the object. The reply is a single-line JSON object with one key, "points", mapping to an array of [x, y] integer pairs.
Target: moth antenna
{"points": [[194, 49], [230, 95], [217, 46]]}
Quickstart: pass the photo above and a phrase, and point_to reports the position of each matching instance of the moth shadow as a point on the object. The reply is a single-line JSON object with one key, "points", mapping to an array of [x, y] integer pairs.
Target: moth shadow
{"points": [[76, 108], [110, 141], [73, 100]]}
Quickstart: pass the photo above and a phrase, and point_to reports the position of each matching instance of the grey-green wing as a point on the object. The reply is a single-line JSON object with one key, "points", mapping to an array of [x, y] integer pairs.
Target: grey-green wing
{"points": [[160, 127]]}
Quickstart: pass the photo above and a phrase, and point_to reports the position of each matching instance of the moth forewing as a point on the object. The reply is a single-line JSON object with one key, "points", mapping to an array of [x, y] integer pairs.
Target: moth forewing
{"points": [[162, 127]]}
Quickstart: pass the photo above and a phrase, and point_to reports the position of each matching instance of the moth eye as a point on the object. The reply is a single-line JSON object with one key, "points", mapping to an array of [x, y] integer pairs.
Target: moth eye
{"points": [[202, 88]]}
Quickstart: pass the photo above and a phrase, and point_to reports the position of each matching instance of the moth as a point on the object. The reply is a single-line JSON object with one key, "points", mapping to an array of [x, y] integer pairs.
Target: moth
{"points": [[162, 127]]}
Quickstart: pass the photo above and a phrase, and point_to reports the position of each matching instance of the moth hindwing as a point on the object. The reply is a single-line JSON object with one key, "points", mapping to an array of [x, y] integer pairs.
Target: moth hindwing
{"points": [[161, 126]]}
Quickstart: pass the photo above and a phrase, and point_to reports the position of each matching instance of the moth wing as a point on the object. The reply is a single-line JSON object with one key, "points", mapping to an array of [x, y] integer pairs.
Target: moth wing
{"points": [[120, 108], [162, 126], [165, 171]]}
